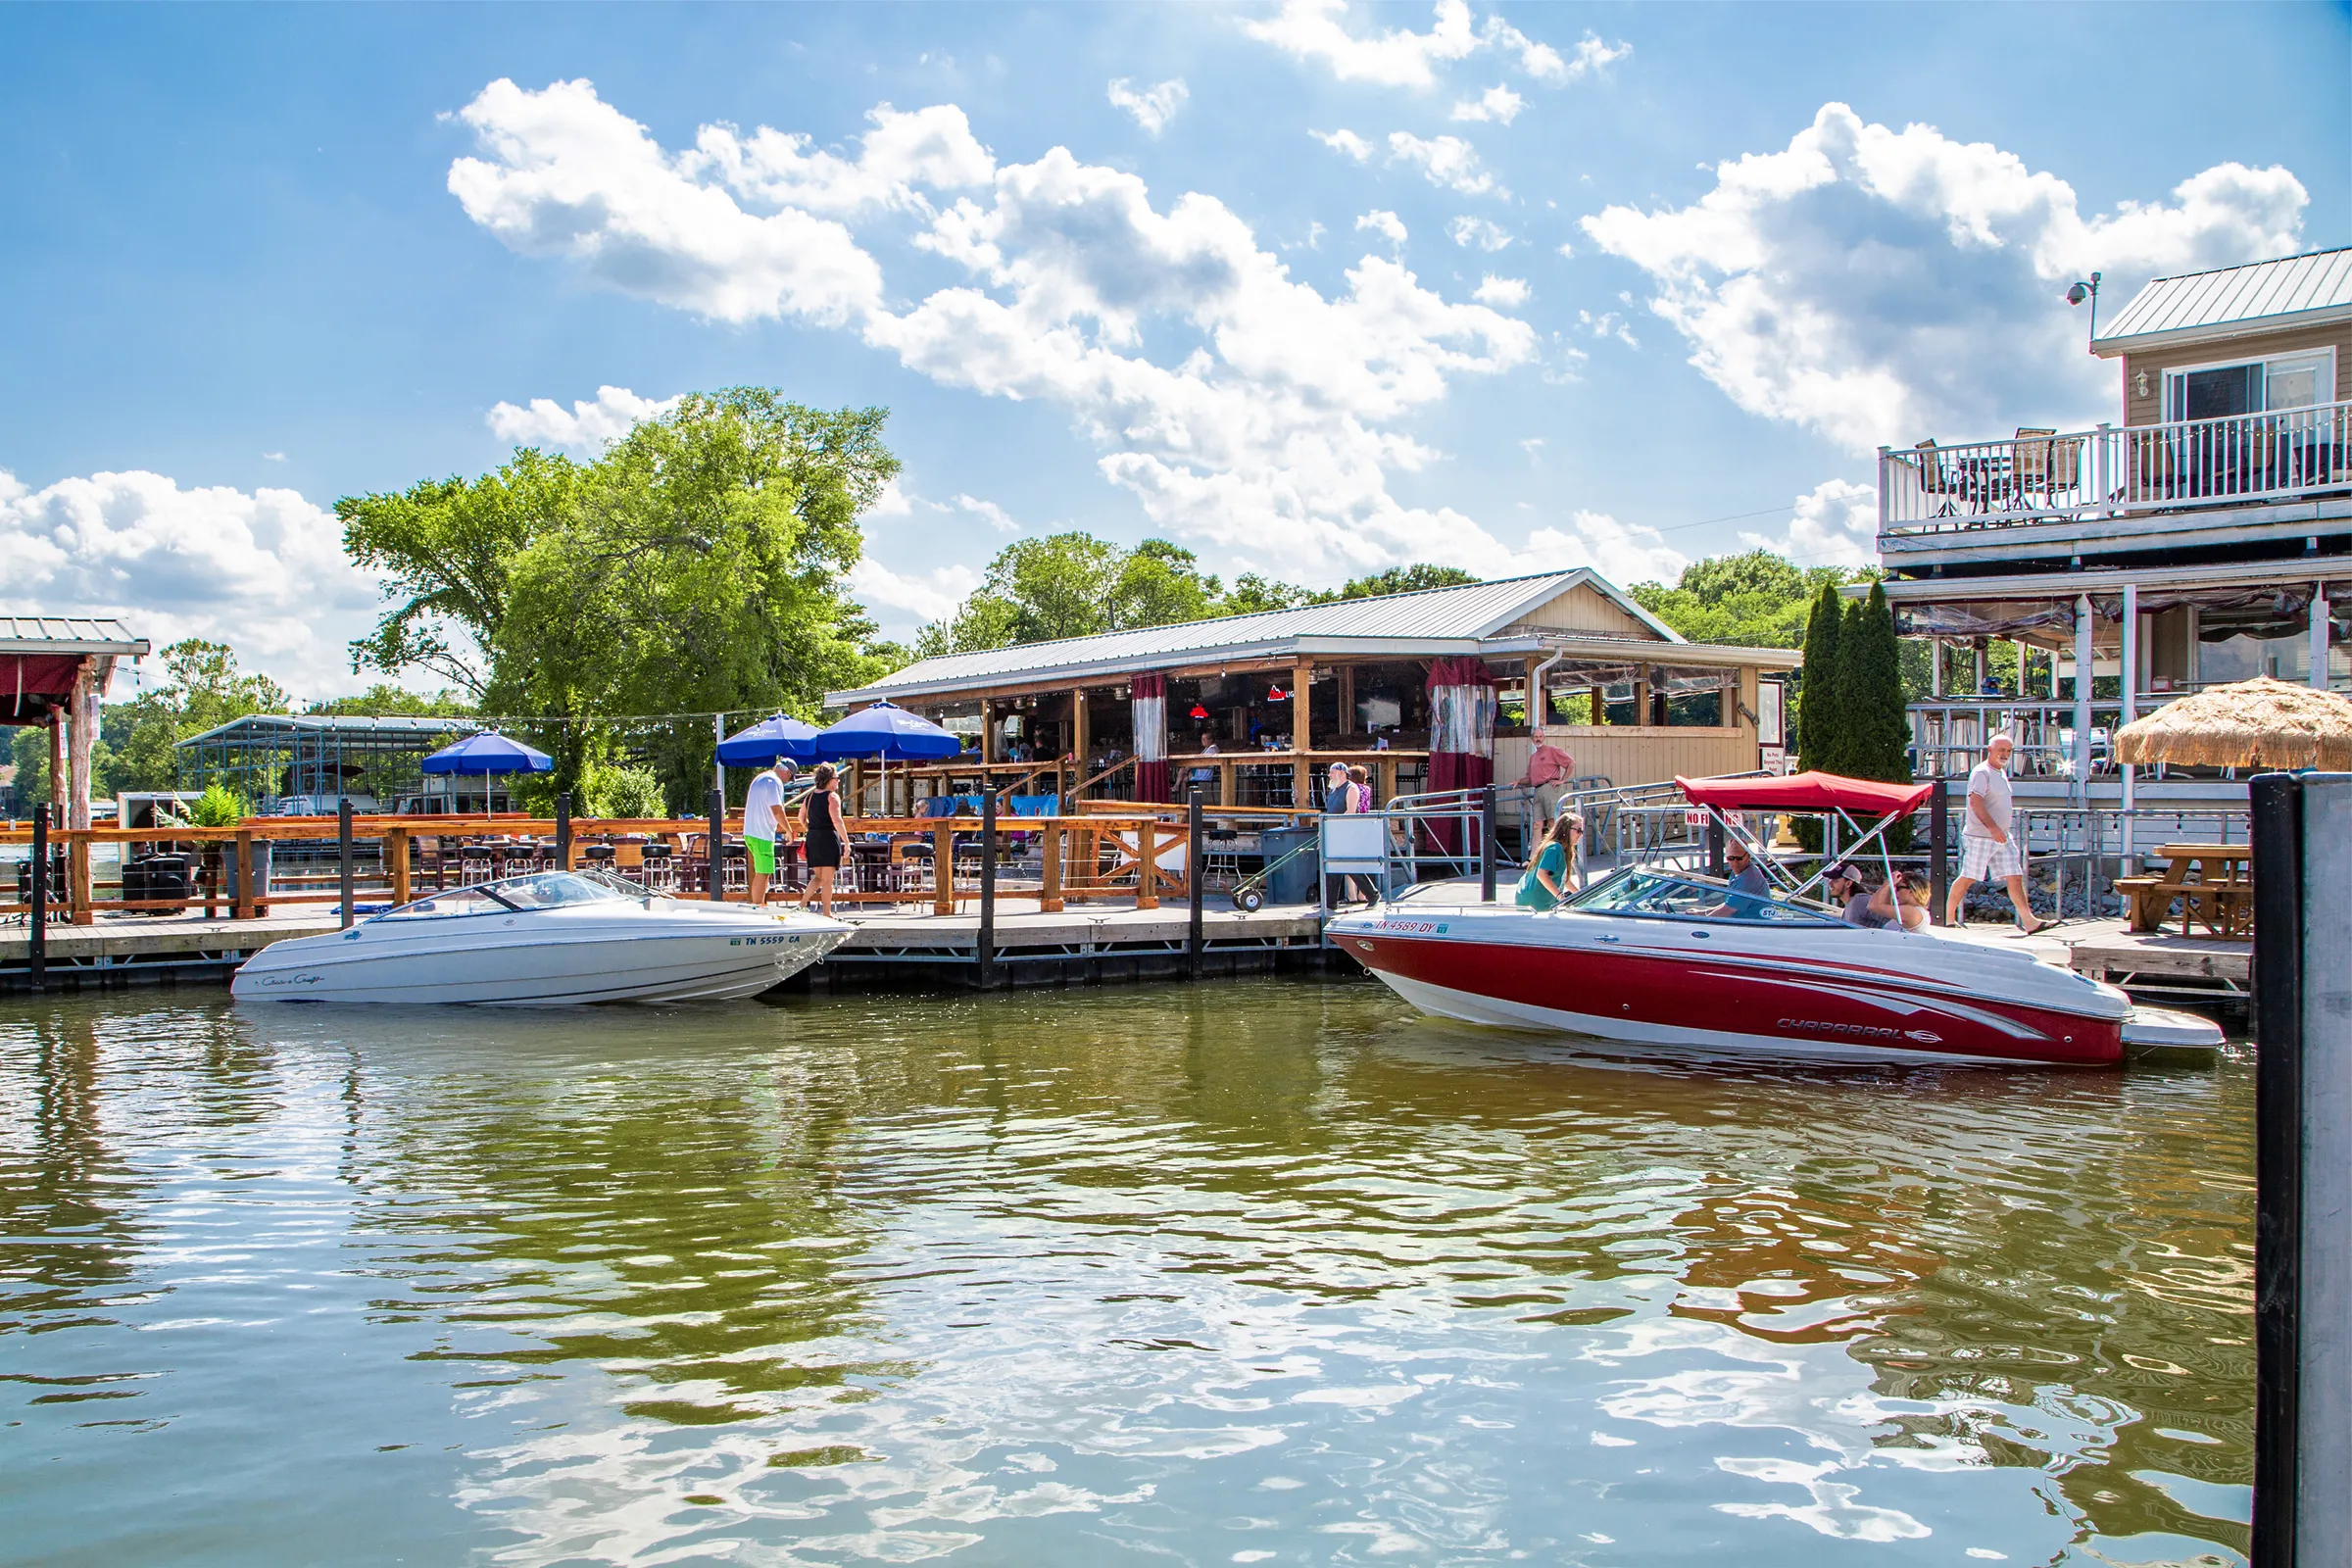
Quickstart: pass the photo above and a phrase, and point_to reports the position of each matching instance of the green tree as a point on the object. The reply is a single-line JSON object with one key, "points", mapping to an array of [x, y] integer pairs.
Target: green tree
{"points": [[698, 566], [1822, 726], [384, 700], [1753, 600], [1880, 729], [204, 688], [1413, 579], [1076, 585], [1252, 594]]}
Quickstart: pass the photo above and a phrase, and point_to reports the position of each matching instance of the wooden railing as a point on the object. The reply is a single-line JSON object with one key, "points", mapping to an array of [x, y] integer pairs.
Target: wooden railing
{"points": [[1102, 852]]}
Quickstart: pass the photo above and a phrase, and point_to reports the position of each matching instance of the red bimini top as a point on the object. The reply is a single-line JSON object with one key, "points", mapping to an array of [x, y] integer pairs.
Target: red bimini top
{"points": [[1805, 792]]}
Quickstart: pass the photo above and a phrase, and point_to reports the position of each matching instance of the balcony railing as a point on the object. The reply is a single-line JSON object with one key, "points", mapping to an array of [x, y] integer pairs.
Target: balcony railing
{"points": [[2050, 476]]}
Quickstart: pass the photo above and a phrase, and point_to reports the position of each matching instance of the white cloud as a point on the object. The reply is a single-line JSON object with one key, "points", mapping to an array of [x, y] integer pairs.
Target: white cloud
{"points": [[1568, 250], [1257, 413], [893, 502], [1623, 553], [904, 154], [1482, 232], [1608, 323], [1503, 293], [274, 456], [1346, 143], [586, 427], [994, 516], [1497, 104], [1837, 524], [1312, 31], [1593, 57], [1384, 223], [917, 597], [1880, 285], [1447, 161], [264, 571], [1153, 107]]}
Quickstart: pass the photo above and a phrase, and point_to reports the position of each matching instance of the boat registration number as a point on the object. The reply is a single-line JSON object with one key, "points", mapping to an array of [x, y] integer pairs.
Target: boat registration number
{"points": [[762, 942]]}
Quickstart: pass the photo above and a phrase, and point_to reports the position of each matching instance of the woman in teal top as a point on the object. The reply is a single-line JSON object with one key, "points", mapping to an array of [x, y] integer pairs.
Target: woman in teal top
{"points": [[1551, 874]]}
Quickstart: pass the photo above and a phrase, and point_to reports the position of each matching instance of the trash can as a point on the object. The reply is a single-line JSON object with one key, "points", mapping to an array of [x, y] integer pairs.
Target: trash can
{"points": [[1294, 883]]}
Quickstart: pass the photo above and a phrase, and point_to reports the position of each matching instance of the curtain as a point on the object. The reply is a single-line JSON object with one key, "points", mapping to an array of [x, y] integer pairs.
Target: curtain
{"points": [[1462, 736], [1149, 695]]}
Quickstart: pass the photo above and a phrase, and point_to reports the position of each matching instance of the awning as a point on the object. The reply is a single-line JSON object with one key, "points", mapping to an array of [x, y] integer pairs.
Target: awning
{"points": [[35, 685], [1805, 792]]}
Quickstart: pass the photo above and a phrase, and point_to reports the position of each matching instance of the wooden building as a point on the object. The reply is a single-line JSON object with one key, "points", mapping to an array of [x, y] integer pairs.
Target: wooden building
{"points": [[2204, 539], [1256, 707]]}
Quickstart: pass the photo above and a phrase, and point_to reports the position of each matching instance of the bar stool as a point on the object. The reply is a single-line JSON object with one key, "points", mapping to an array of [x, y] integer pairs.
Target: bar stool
{"points": [[657, 871], [476, 862], [735, 864], [598, 857]]}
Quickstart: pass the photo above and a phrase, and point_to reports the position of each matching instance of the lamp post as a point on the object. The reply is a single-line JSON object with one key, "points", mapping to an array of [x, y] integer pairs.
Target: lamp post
{"points": [[2089, 290]]}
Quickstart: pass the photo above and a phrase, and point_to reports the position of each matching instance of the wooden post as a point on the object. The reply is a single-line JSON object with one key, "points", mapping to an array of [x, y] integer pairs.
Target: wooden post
{"points": [[246, 901], [1051, 901], [396, 853], [1224, 783], [1078, 743], [78, 742], [1147, 878], [942, 868], [1347, 679], [988, 733], [1193, 880], [984, 949]]}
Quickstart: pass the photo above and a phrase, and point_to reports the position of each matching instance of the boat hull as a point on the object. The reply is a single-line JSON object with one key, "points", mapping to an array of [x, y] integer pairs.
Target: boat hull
{"points": [[685, 957], [1846, 997]]}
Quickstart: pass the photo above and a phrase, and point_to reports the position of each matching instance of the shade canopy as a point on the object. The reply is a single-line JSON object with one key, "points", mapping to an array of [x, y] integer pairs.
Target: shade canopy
{"points": [[889, 732], [1805, 792], [767, 740], [2250, 724], [488, 753]]}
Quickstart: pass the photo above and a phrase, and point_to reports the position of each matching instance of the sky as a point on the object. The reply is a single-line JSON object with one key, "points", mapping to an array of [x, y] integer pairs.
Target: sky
{"points": [[1310, 288]]}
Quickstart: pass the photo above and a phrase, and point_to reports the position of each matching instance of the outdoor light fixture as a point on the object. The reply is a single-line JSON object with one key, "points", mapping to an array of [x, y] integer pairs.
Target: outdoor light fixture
{"points": [[1198, 711], [2088, 291], [1277, 695]]}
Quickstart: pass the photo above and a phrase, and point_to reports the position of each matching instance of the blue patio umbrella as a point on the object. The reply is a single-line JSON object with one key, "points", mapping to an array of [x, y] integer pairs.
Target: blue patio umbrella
{"points": [[486, 754], [889, 732], [767, 740]]}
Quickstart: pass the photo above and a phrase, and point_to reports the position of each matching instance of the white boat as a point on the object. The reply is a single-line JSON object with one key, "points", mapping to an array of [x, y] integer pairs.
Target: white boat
{"points": [[1659, 958], [556, 936]]}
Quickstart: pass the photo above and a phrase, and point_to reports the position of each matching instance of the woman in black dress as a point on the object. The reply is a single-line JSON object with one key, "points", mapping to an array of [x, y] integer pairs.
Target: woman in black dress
{"points": [[823, 831]]}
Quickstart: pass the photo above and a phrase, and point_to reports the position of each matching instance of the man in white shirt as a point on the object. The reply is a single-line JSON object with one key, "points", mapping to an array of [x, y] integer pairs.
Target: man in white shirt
{"points": [[764, 823], [1988, 848]]}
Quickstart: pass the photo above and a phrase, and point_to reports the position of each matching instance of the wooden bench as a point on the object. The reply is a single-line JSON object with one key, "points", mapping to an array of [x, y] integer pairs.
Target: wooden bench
{"points": [[2214, 883]]}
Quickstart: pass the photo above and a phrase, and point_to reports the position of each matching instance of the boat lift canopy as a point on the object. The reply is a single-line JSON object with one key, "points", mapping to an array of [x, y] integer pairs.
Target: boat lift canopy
{"points": [[1806, 792]]}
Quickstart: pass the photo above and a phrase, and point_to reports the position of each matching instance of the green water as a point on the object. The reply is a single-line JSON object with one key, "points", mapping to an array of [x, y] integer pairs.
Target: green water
{"points": [[1269, 1271]]}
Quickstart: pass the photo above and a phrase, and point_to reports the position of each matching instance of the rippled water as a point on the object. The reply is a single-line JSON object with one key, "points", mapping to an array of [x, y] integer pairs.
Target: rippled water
{"points": [[1265, 1271]]}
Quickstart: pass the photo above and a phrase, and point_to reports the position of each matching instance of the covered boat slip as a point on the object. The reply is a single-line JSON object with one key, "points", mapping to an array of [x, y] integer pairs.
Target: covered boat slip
{"points": [[1425, 691]]}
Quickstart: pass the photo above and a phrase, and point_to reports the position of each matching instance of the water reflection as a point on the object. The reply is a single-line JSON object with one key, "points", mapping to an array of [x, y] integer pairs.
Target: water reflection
{"points": [[1199, 1271]]}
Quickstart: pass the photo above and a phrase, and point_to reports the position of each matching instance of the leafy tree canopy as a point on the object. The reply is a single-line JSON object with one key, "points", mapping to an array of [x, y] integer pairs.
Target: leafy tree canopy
{"points": [[1076, 585], [698, 566], [203, 689], [1754, 600]]}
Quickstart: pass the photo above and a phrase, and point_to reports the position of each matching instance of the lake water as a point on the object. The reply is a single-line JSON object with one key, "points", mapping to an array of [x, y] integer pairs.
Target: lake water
{"points": [[1262, 1271]]}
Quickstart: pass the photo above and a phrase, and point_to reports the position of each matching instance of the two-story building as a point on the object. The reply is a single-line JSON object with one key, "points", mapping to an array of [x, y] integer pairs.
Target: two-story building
{"points": [[2205, 538]]}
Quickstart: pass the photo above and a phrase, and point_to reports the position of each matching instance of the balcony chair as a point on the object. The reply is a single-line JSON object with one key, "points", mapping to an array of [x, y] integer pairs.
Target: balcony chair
{"points": [[1936, 480], [2030, 468]]}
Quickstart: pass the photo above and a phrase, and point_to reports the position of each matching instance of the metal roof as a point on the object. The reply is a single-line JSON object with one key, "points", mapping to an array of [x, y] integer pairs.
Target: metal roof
{"points": [[2312, 287], [333, 726], [1433, 620], [68, 634]]}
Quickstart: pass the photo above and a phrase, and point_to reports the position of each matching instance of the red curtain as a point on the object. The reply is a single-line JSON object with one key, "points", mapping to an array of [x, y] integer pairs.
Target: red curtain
{"points": [[31, 684], [1457, 769]]}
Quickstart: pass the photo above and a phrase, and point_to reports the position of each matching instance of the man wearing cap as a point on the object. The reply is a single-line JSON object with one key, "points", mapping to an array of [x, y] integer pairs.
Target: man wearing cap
{"points": [[1852, 896], [1337, 798], [765, 822]]}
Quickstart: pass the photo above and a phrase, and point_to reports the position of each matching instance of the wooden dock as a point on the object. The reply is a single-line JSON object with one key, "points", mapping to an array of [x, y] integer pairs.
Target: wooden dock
{"points": [[1081, 944], [2145, 963]]}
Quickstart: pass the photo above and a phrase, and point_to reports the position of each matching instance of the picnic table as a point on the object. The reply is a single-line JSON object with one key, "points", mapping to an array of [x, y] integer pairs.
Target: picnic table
{"points": [[2214, 882]]}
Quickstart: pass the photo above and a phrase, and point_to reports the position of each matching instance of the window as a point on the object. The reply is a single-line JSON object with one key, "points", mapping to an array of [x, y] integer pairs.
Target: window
{"points": [[2260, 386], [1648, 895]]}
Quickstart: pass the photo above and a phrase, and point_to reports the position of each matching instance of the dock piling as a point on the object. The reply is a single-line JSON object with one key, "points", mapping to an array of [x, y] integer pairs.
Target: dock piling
{"points": [[38, 937], [984, 948], [563, 830], [717, 857], [1192, 877], [1940, 848], [343, 857], [1486, 845]]}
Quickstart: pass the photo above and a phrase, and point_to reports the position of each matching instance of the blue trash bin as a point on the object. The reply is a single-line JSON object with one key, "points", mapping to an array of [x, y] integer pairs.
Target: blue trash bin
{"points": [[1294, 883]]}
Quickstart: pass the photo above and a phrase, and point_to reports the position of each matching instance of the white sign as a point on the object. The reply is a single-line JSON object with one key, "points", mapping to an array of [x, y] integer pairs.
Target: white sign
{"points": [[1694, 817]]}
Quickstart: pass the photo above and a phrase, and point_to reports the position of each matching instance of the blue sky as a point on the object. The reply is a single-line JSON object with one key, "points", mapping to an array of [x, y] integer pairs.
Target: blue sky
{"points": [[1312, 290]]}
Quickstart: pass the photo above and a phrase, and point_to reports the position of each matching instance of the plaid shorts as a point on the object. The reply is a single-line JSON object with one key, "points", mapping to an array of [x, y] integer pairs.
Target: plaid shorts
{"points": [[1984, 861]]}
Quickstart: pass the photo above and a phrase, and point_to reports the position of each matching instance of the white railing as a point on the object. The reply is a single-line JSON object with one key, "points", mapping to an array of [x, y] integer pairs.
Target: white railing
{"points": [[2110, 471]]}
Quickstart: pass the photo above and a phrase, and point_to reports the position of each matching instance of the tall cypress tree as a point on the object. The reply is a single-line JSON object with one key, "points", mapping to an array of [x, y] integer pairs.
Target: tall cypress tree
{"points": [[1821, 700], [1880, 746]]}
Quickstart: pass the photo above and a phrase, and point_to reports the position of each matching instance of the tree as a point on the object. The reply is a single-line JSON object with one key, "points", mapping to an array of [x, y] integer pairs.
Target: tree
{"points": [[204, 689], [1822, 726], [1076, 585], [1252, 594], [1879, 725], [1753, 600], [384, 700], [1413, 579], [697, 566]]}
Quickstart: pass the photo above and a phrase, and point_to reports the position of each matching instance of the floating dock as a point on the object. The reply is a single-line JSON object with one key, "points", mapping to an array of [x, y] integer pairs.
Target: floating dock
{"points": [[1079, 945]]}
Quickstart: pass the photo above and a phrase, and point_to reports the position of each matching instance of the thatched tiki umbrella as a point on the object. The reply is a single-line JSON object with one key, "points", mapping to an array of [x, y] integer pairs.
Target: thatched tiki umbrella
{"points": [[2253, 723]]}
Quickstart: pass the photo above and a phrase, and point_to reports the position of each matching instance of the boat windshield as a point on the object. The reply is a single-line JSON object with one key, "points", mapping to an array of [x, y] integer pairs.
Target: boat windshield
{"points": [[1665, 896], [546, 890]]}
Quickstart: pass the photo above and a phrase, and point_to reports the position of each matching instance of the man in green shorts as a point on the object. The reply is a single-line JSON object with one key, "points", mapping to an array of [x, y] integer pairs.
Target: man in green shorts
{"points": [[765, 823]]}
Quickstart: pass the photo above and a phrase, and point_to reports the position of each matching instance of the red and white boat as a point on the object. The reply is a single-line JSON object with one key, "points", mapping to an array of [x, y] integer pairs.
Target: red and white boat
{"points": [[1658, 958]]}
